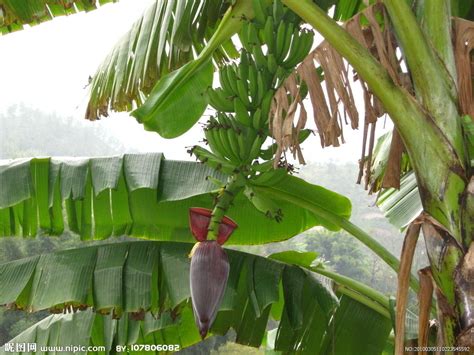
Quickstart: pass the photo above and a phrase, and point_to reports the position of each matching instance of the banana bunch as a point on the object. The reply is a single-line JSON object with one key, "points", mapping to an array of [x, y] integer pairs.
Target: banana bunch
{"points": [[272, 44], [232, 141], [243, 82], [285, 50]]}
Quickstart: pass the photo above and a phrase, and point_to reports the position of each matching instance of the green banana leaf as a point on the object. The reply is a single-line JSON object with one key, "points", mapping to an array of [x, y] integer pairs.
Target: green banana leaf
{"points": [[165, 38], [141, 195], [402, 206], [146, 285], [164, 112], [14, 14]]}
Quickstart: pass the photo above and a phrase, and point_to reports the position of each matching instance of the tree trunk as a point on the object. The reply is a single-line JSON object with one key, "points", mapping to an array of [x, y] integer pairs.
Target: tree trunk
{"points": [[439, 159]]}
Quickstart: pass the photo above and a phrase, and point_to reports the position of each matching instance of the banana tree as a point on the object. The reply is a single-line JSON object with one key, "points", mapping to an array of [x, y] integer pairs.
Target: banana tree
{"points": [[413, 63]]}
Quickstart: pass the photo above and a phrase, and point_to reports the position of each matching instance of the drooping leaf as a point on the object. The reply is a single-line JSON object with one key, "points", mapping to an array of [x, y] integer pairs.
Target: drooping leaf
{"points": [[163, 112], [165, 38], [355, 329], [141, 195], [121, 279], [146, 285], [14, 14], [315, 195]]}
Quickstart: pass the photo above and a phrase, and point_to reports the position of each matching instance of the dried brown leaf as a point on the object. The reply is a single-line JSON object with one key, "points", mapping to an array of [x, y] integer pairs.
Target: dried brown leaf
{"points": [[425, 295], [393, 169], [406, 259]]}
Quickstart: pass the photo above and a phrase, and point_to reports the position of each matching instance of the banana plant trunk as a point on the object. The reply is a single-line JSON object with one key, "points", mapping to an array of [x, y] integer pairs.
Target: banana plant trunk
{"points": [[430, 126]]}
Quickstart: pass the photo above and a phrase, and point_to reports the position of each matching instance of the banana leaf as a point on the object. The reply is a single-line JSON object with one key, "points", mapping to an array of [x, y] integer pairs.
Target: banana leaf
{"points": [[166, 37], [140, 294], [14, 14], [402, 206], [141, 195]]}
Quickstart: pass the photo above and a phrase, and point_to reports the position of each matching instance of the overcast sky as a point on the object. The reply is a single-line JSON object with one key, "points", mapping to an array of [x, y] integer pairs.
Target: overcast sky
{"points": [[47, 67]]}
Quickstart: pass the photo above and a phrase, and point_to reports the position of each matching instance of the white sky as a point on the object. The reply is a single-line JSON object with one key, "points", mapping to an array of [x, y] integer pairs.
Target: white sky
{"points": [[47, 67]]}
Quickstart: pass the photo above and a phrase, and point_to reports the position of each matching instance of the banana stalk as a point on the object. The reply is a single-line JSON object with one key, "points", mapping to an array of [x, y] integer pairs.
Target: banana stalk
{"points": [[209, 269]]}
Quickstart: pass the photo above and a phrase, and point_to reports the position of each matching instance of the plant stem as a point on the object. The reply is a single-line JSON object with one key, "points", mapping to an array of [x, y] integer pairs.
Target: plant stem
{"points": [[435, 19], [354, 285], [364, 300], [435, 161], [343, 223], [224, 200], [433, 77]]}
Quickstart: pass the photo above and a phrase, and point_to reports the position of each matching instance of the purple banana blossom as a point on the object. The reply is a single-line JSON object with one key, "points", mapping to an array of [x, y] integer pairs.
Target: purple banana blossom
{"points": [[208, 279], [209, 267]]}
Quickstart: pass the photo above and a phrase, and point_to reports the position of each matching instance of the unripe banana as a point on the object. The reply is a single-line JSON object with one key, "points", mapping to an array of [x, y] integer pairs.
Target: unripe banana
{"points": [[300, 49], [242, 90], [253, 82], [244, 35], [241, 113], [280, 39], [213, 161], [234, 143], [269, 35], [261, 88], [278, 11], [255, 149], [253, 38], [211, 141], [232, 78], [272, 63], [218, 100], [259, 11], [287, 42], [266, 104], [244, 66], [224, 81], [259, 57], [257, 120]]}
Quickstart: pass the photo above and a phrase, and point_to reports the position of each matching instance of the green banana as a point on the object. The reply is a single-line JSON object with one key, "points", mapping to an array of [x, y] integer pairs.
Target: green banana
{"points": [[244, 35], [287, 42], [211, 141], [250, 135], [234, 143], [213, 161], [266, 104], [244, 66], [219, 101], [242, 90], [253, 81], [259, 11], [252, 34], [264, 204], [272, 63], [255, 148], [280, 39], [261, 88], [267, 154], [268, 34], [300, 49], [213, 133], [224, 81], [232, 78], [278, 11], [241, 113], [242, 145], [259, 57], [257, 119]]}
